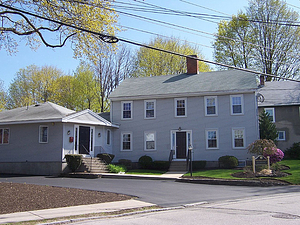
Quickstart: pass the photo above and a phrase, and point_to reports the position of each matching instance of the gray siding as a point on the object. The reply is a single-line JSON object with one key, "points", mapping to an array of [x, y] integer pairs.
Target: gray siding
{"points": [[287, 118], [24, 144], [196, 121]]}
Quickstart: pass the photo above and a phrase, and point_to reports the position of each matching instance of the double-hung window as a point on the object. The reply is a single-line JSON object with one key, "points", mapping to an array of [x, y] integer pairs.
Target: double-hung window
{"points": [[271, 114], [126, 144], [4, 135], [238, 138], [180, 107], [127, 110], [211, 106], [237, 104], [212, 139], [43, 134], [150, 109], [150, 141]]}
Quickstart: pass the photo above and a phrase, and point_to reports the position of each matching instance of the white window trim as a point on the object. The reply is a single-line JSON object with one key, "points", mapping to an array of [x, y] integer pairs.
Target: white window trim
{"points": [[284, 138], [122, 110], [242, 105], [216, 105], [206, 138], [244, 139], [126, 150], [273, 111], [3, 136], [145, 110], [108, 131], [42, 142], [185, 106], [145, 145]]}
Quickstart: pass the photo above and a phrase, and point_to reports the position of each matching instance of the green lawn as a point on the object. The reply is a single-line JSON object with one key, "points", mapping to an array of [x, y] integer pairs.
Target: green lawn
{"points": [[294, 165], [294, 170], [215, 173]]}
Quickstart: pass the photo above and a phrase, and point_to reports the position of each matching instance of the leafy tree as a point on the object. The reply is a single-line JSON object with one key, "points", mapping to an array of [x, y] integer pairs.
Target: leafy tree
{"points": [[3, 96], [33, 84], [267, 129], [94, 15], [154, 63], [261, 38], [84, 88]]}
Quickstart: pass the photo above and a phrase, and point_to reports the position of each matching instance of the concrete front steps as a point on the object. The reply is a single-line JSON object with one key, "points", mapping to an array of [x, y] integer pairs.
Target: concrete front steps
{"points": [[178, 166], [92, 165]]}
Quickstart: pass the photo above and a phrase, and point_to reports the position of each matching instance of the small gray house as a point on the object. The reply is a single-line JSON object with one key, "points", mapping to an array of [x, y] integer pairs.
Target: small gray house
{"points": [[281, 99], [35, 139], [215, 113]]}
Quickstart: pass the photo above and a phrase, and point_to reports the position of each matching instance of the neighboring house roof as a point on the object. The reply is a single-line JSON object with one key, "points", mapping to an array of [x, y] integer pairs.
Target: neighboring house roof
{"points": [[105, 115], [50, 112], [216, 82], [279, 93]]}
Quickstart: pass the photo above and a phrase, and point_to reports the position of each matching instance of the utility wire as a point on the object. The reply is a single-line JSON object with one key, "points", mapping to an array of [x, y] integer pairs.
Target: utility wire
{"points": [[113, 39]]}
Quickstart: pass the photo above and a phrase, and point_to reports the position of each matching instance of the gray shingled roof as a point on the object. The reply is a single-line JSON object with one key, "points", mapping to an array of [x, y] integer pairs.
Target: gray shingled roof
{"points": [[183, 84], [45, 111], [278, 93]]}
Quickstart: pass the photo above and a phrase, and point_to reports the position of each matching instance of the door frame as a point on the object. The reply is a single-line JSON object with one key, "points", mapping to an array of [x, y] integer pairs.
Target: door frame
{"points": [[189, 141], [91, 141]]}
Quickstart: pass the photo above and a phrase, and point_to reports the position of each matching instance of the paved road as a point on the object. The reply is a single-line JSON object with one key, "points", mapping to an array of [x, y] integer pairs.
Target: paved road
{"points": [[165, 193], [273, 210]]}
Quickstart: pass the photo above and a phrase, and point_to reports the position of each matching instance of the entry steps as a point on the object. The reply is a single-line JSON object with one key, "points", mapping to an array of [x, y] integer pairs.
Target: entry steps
{"points": [[178, 166], [92, 165]]}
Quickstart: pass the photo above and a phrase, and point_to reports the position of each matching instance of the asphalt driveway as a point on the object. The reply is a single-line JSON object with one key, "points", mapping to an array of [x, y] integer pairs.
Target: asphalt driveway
{"points": [[165, 193]]}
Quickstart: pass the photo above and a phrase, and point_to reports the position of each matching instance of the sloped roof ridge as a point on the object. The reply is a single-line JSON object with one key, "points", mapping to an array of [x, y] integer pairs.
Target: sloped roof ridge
{"points": [[60, 109]]}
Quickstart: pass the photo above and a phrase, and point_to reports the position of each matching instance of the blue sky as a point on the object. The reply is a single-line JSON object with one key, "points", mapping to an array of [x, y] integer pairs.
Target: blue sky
{"points": [[62, 58]]}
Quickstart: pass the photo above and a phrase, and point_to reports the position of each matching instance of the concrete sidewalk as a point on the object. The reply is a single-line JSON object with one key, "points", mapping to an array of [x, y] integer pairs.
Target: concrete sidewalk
{"points": [[166, 176], [72, 211]]}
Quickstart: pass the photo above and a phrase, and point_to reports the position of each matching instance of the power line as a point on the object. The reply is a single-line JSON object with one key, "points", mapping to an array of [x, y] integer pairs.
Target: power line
{"points": [[113, 39]]}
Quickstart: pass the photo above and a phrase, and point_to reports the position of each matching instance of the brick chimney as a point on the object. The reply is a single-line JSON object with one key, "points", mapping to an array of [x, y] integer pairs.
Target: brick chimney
{"points": [[192, 64]]}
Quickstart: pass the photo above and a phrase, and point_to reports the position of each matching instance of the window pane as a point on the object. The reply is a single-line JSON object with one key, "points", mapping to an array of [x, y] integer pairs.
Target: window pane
{"points": [[211, 110], [127, 110], [149, 105], [237, 104], [126, 142], [180, 109], [212, 143], [108, 137], [239, 138], [212, 139], [1, 133], [237, 109], [150, 145], [149, 136], [43, 134], [6, 136]]}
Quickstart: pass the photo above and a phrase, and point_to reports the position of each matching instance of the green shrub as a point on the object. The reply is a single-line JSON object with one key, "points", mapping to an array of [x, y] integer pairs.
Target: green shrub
{"points": [[73, 161], [199, 165], [116, 169], [160, 165], [228, 162], [145, 162], [107, 158], [293, 152]]}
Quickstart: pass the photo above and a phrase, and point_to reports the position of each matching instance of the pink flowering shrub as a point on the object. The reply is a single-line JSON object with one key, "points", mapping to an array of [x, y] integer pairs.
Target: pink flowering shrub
{"points": [[275, 154]]}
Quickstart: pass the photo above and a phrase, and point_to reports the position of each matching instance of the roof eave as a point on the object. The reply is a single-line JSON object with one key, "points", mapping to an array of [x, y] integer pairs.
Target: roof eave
{"points": [[175, 95]]}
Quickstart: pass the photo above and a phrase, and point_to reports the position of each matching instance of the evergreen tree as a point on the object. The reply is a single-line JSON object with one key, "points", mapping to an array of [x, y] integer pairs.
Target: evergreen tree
{"points": [[267, 129]]}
